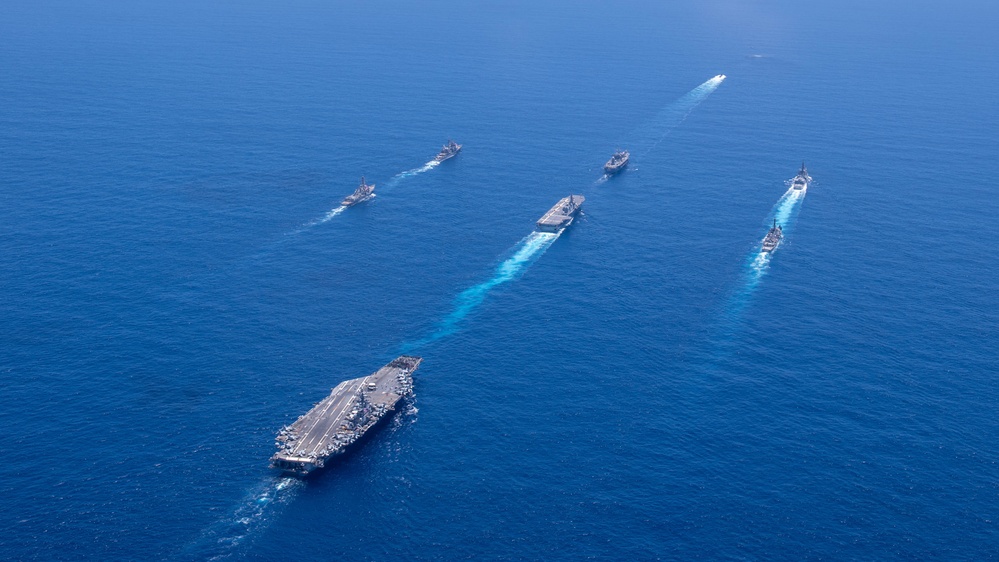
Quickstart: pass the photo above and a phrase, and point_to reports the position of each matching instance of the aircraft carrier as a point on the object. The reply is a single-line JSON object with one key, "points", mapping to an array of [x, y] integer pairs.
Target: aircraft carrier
{"points": [[561, 215], [341, 419]]}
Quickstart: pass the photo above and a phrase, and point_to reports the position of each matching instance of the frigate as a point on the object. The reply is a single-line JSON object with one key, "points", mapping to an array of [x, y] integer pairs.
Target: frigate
{"points": [[773, 238], [617, 162], [362, 193], [449, 150]]}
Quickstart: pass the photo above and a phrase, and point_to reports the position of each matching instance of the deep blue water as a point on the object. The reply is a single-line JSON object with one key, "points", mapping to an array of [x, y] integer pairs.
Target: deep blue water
{"points": [[173, 288]]}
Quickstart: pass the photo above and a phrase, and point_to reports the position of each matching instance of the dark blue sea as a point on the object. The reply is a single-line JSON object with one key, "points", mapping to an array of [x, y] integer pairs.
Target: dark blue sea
{"points": [[177, 284]]}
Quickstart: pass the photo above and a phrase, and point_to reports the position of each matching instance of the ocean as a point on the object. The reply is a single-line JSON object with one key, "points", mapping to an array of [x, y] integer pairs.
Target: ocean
{"points": [[177, 282]]}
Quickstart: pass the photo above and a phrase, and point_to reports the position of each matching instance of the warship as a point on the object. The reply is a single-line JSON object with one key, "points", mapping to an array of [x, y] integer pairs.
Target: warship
{"points": [[449, 150], [773, 238], [339, 421], [617, 162], [561, 215], [362, 193], [801, 181]]}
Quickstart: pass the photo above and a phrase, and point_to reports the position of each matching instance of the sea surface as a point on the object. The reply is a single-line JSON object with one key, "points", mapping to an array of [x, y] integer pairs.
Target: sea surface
{"points": [[176, 283]]}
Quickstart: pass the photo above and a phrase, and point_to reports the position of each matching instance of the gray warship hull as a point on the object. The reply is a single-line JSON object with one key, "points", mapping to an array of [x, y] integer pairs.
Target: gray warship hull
{"points": [[802, 180], [342, 420], [561, 215], [617, 162], [773, 238], [361, 194], [449, 151]]}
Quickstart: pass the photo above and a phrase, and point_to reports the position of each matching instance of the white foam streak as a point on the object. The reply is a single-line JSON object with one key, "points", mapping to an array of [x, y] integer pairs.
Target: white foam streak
{"points": [[394, 180], [758, 262], [525, 253], [333, 213], [262, 504], [678, 111], [410, 173]]}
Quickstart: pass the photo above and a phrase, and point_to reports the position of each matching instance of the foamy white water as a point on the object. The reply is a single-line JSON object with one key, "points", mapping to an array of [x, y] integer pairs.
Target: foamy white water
{"points": [[758, 262], [649, 135], [394, 180], [333, 213], [525, 253], [678, 112], [229, 536]]}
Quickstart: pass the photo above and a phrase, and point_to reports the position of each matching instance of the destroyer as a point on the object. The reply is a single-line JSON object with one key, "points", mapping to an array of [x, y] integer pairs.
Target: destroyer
{"points": [[561, 215], [802, 180], [341, 419], [449, 150], [773, 238], [362, 193], [617, 162]]}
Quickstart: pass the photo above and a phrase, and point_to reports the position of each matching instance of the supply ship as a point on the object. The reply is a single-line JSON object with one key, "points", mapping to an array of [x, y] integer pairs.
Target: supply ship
{"points": [[617, 162], [773, 238], [802, 180], [561, 215], [362, 193], [343, 418], [449, 150]]}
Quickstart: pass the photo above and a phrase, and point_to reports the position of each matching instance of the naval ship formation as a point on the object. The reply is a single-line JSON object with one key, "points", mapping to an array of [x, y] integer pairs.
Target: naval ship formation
{"points": [[341, 419], [617, 162], [356, 406], [448, 151], [561, 215], [362, 193]]}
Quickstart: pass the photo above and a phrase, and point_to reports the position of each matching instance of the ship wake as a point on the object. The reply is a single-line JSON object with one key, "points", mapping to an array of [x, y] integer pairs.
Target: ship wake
{"points": [[330, 215], [393, 181], [410, 173], [785, 211], [229, 537], [526, 252], [676, 113], [647, 137]]}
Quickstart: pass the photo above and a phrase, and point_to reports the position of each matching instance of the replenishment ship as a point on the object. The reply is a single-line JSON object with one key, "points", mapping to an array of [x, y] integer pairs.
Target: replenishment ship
{"points": [[802, 180], [343, 418], [773, 238], [561, 215], [617, 162], [362, 193], [449, 150]]}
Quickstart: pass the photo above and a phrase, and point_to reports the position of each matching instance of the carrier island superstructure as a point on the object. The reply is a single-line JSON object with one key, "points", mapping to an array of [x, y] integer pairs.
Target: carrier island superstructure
{"points": [[353, 408], [561, 215]]}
